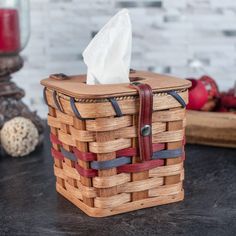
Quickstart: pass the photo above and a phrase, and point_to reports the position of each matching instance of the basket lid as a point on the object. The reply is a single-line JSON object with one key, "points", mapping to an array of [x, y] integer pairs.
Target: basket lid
{"points": [[75, 86]]}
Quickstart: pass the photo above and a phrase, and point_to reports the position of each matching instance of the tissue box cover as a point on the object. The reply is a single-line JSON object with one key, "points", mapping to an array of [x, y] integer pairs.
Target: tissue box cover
{"points": [[117, 148]]}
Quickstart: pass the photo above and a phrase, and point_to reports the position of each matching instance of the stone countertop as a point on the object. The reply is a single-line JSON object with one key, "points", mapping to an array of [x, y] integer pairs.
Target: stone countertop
{"points": [[29, 204]]}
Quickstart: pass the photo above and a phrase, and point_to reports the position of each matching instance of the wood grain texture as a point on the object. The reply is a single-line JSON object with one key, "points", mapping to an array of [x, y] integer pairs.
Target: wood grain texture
{"points": [[140, 175], [104, 109], [83, 146], [110, 192], [58, 163], [173, 126], [102, 137], [211, 128], [65, 129], [76, 87]]}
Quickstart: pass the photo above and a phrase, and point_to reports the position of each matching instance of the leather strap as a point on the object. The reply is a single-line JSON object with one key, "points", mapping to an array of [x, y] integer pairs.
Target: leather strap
{"points": [[145, 120]]}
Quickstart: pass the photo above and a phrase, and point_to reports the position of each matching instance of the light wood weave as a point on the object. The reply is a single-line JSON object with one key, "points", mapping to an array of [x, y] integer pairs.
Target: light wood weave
{"points": [[111, 192]]}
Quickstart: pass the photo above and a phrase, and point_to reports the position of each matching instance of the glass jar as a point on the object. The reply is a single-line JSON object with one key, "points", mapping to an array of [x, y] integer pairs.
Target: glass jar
{"points": [[14, 26]]}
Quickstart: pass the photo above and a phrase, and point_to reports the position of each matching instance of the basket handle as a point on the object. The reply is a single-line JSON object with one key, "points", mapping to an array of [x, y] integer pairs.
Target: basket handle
{"points": [[145, 120]]}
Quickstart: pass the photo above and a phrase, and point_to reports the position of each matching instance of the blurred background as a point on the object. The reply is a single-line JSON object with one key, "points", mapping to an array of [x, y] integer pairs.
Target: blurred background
{"points": [[184, 38]]}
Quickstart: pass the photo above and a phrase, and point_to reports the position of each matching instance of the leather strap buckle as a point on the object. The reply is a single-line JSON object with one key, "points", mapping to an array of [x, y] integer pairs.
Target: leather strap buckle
{"points": [[145, 120]]}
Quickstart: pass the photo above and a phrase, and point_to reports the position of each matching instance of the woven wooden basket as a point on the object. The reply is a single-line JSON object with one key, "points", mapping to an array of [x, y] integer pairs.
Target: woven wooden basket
{"points": [[117, 148]]}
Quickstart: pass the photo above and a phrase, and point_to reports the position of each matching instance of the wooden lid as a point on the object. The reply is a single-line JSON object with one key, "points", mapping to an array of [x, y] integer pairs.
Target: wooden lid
{"points": [[75, 86]]}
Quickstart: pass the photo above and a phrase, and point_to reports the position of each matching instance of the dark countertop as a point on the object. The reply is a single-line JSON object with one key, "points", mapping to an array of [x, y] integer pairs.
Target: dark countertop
{"points": [[29, 204]]}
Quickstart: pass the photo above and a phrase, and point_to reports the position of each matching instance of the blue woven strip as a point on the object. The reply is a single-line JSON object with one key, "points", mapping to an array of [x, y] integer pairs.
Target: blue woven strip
{"points": [[116, 107], [68, 154], [165, 154], [45, 96], [178, 98], [103, 165], [74, 108], [56, 101]]}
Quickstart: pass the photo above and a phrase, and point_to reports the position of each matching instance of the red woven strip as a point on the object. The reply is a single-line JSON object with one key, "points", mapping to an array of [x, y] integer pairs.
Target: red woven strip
{"points": [[54, 139], [139, 167], [127, 152], [86, 172], [56, 154], [84, 156], [133, 151], [89, 156], [158, 146]]}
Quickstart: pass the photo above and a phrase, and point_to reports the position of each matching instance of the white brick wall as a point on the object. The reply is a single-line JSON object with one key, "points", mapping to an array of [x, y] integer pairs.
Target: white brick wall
{"points": [[168, 37]]}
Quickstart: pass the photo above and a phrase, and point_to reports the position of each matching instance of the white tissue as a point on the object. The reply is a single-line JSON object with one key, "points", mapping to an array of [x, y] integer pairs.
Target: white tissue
{"points": [[108, 54]]}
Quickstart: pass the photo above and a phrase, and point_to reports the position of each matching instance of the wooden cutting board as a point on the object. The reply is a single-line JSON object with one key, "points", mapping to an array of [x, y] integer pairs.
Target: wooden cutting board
{"points": [[211, 128]]}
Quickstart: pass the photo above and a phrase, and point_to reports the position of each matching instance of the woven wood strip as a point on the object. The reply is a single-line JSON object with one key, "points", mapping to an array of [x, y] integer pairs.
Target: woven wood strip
{"points": [[54, 122], [73, 191], [166, 170], [168, 115], [165, 190], [173, 126], [111, 181], [82, 135], [104, 109], [122, 157], [127, 132], [59, 172], [112, 201], [88, 156], [64, 118], [84, 156], [169, 136], [88, 192], [70, 172], [109, 154], [83, 147], [108, 124], [85, 172], [115, 123], [130, 206], [109, 146], [78, 145], [56, 146], [71, 164], [140, 185]]}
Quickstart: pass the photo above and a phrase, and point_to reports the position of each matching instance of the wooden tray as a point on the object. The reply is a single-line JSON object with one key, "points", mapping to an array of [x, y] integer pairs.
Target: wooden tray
{"points": [[211, 128]]}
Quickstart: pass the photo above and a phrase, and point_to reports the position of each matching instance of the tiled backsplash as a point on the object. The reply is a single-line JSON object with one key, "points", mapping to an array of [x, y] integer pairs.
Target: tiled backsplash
{"points": [[184, 38]]}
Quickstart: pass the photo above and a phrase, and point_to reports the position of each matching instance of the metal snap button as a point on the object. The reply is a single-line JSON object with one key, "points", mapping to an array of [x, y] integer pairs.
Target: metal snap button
{"points": [[146, 130]]}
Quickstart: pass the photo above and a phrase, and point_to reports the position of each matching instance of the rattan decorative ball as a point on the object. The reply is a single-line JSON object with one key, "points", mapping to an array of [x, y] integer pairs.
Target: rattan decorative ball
{"points": [[19, 137]]}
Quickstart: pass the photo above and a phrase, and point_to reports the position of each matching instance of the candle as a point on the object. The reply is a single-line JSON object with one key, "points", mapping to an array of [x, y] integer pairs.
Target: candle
{"points": [[9, 31]]}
